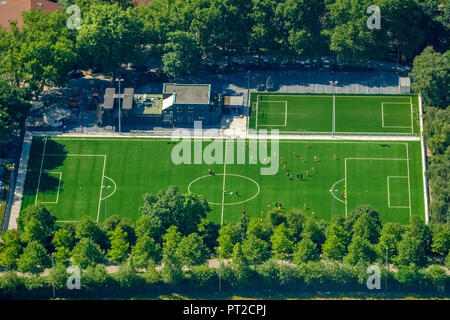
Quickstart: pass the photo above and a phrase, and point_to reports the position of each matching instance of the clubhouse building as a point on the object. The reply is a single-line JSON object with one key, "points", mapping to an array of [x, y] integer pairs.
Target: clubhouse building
{"points": [[179, 105]]}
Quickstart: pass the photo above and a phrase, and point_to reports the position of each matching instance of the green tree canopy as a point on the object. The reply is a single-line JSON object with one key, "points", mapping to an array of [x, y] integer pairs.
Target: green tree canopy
{"points": [[390, 236], [10, 249], [360, 251], [256, 250], [34, 258], [87, 228], [192, 251], [36, 223], [87, 253], [105, 32], [144, 250], [172, 208], [120, 247], [182, 55], [228, 237], [441, 240], [282, 243], [432, 77], [305, 250]]}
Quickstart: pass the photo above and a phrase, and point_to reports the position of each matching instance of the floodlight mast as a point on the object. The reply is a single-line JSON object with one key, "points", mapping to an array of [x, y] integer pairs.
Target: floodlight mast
{"points": [[120, 109], [333, 84]]}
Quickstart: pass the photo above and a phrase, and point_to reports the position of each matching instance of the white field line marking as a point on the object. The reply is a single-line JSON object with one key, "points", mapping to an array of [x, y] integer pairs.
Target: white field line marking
{"points": [[382, 159], [333, 118], [75, 155], [40, 171], [299, 95], [332, 191], [401, 127], [223, 184], [412, 123], [388, 191], [101, 189], [345, 187], [115, 188], [67, 221], [81, 155], [285, 115], [59, 187], [257, 106], [409, 181]]}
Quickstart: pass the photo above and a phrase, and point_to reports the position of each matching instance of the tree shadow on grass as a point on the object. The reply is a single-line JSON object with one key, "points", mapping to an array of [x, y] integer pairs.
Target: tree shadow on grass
{"points": [[42, 172]]}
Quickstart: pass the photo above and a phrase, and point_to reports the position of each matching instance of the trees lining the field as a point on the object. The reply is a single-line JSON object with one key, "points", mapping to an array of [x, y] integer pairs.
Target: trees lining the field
{"points": [[172, 208]]}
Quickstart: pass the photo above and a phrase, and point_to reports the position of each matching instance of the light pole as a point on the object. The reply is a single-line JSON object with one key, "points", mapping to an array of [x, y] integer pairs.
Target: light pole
{"points": [[387, 267], [120, 109], [333, 84], [53, 283]]}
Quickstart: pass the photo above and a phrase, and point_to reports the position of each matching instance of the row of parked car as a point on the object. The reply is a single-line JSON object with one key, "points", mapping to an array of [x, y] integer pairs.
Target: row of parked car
{"points": [[238, 64]]}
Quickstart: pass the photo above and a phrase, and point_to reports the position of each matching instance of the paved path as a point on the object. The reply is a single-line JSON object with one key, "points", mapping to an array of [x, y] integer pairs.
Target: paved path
{"points": [[20, 182]]}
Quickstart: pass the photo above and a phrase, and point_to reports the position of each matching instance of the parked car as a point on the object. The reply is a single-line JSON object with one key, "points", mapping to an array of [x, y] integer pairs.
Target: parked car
{"points": [[75, 74], [261, 87], [284, 63], [307, 64]]}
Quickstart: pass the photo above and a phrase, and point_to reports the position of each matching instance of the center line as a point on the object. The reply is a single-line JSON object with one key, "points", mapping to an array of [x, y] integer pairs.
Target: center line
{"points": [[223, 185]]}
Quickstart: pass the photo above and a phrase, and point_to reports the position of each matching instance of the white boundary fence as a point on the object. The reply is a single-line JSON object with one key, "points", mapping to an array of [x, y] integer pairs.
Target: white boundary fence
{"points": [[424, 159]]}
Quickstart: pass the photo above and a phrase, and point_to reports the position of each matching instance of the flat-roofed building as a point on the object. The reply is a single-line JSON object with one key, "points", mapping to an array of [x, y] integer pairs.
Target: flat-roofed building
{"points": [[178, 106], [234, 104], [192, 102]]}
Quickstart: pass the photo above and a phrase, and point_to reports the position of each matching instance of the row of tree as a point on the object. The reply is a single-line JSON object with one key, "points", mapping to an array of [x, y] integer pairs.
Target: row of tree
{"points": [[431, 76], [178, 33], [169, 239]]}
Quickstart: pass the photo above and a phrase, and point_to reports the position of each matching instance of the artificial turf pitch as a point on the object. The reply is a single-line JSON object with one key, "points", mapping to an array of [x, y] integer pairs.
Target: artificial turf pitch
{"points": [[102, 177], [347, 114]]}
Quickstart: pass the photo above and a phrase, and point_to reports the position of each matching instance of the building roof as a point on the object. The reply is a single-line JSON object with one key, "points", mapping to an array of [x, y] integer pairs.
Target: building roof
{"points": [[11, 10], [148, 104], [234, 101], [189, 93], [128, 95], [109, 98]]}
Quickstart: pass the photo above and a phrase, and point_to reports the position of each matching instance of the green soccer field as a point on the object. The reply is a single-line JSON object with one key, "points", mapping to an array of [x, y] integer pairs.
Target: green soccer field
{"points": [[101, 177], [341, 114]]}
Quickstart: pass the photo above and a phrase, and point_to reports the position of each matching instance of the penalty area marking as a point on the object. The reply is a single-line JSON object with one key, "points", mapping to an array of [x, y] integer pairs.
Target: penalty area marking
{"points": [[379, 159], [400, 127], [389, 196], [271, 125], [59, 187], [75, 155]]}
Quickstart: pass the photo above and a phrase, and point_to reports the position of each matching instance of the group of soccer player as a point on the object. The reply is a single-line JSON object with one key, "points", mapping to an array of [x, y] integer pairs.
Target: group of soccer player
{"points": [[307, 172]]}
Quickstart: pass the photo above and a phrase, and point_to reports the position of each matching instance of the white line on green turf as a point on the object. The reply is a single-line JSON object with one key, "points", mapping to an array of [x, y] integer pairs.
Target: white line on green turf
{"points": [[59, 186], [101, 189], [409, 183], [389, 194], [223, 184], [400, 127], [382, 159], [40, 171], [412, 124]]}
